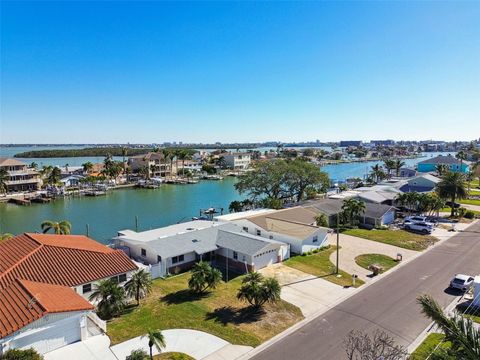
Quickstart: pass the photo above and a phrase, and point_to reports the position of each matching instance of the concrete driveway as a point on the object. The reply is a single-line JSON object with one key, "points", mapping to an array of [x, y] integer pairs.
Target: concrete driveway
{"points": [[309, 293], [351, 247], [94, 348]]}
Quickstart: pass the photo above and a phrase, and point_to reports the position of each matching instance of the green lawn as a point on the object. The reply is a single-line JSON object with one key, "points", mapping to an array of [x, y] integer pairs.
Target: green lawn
{"points": [[319, 264], [172, 306], [173, 356], [474, 192], [386, 262], [400, 238], [427, 346], [470, 201]]}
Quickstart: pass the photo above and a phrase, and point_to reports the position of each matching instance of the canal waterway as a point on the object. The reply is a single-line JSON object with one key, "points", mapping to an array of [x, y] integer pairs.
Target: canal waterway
{"points": [[169, 204]]}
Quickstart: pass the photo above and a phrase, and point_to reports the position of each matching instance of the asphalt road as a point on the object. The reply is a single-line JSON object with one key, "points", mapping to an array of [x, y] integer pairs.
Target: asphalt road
{"points": [[389, 304]]}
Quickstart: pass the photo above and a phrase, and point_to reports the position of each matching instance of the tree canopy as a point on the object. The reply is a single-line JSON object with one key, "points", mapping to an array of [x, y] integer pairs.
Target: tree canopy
{"points": [[281, 180]]}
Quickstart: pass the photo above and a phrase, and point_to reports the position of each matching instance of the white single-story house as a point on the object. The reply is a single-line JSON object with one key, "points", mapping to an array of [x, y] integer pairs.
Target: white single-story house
{"points": [[476, 291], [175, 248], [294, 226], [72, 180], [45, 283]]}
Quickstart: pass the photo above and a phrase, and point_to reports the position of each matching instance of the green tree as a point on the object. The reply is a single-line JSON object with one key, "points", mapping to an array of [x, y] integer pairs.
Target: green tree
{"points": [[60, 228], [137, 354], [397, 165], [235, 206], [110, 296], [281, 179], [87, 167], [5, 236], [452, 187], [155, 338], [139, 286], [458, 330], [377, 173], [18, 354], [352, 208], [4, 177], [257, 290], [442, 169], [321, 220], [204, 277], [34, 165], [409, 201], [389, 165], [462, 156], [54, 176]]}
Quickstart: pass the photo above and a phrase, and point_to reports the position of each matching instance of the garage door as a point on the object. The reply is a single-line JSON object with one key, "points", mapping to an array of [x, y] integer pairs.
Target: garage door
{"points": [[50, 337], [265, 259]]}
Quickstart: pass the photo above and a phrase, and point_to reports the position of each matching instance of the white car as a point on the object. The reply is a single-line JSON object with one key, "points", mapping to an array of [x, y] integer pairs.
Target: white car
{"points": [[423, 227], [461, 282]]}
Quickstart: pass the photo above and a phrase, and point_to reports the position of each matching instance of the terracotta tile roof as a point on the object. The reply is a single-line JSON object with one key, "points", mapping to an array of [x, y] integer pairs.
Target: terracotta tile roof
{"points": [[23, 302], [68, 260]]}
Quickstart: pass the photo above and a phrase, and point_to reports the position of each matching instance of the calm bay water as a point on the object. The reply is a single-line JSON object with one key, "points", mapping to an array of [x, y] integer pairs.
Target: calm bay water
{"points": [[117, 210], [155, 208]]}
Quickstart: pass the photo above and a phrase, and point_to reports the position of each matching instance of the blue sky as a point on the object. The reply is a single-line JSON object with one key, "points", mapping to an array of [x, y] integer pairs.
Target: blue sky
{"points": [[81, 72]]}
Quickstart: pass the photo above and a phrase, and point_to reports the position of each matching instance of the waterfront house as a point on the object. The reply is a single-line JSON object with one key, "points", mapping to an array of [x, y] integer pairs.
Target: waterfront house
{"points": [[374, 215], [237, 160], [454, 164], [294, 226], [407, 172], [20, 177], [45, 283], [156, 164], [178, 247]]}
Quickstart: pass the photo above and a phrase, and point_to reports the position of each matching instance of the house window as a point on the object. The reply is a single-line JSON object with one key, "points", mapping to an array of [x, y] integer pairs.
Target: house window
{"points": [[235, 255], [122, 278], [159, 258], [245, 228], [86, 288], [174, 259], [181, 258], [114, 279], [315, 238], [259, 233], [143, 252]]}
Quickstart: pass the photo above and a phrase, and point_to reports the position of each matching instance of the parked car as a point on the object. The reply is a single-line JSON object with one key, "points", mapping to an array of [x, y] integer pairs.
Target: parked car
{"points": [[416, 218], [423, 227], [461, 282]]}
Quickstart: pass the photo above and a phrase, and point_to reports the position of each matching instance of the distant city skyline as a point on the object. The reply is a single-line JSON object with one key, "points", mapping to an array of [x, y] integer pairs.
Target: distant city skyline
{"points": [[154, 72]]}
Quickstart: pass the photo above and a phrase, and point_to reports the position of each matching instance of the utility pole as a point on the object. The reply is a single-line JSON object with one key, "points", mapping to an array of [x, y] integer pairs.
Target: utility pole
{"points": [[88, 230], [338, 243], [136, 223]]}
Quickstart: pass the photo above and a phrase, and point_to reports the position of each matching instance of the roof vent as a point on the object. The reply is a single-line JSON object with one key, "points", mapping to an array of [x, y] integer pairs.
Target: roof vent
{"points": [[194, 240], [190, 229]]}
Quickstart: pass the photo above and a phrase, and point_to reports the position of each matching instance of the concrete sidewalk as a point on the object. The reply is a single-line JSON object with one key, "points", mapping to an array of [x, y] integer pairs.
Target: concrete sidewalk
{"points": [[197, 344]]}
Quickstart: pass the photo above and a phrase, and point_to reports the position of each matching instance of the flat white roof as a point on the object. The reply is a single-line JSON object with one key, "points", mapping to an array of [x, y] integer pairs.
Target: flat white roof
{"points": [[167, 231], [345, 194], [243, 214]]}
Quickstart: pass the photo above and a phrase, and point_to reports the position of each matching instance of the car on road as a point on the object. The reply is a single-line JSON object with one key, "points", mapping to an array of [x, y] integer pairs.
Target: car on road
{"points": [[422, 227], [461, 282], [455, 205]]}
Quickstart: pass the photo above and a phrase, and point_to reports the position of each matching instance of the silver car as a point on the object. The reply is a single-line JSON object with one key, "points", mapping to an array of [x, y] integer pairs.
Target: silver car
{"points": [[461, 282]]}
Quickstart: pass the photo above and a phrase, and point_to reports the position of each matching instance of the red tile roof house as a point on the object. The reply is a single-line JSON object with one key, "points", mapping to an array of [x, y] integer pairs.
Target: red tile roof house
{"points": [[45, 281]]}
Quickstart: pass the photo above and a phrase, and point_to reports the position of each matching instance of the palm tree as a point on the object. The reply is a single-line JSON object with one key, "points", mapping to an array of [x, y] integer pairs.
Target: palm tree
{"points": [[452, 187], [204, 277], [442, 169], [257, 290], [389, 165], [462, 156], [377, 173], [59, 228], [353, 208], [4, 177], [397, 165], [110, 298], [54, 176], [87, 167], [139, 285], [124, 155], [34, 165], [458, 330], [321, 220], [155, 338]]}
